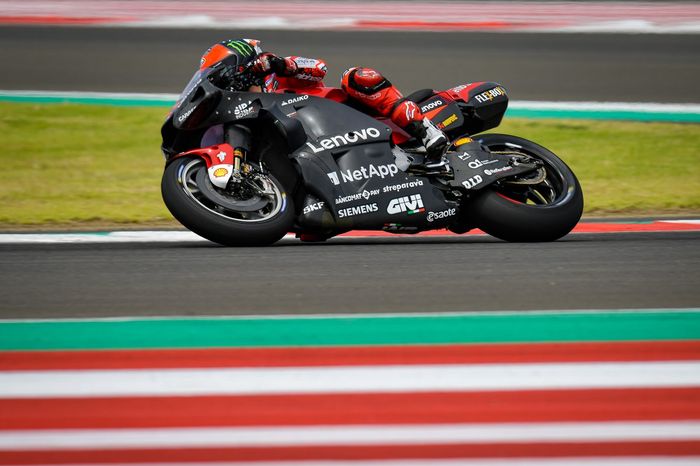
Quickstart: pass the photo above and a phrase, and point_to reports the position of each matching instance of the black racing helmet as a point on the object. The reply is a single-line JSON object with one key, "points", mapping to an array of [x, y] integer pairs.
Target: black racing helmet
{"points": [[235, 55]]}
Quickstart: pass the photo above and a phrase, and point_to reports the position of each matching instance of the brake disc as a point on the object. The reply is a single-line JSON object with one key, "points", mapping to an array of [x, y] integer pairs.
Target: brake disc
{"points": [[253, 204]]}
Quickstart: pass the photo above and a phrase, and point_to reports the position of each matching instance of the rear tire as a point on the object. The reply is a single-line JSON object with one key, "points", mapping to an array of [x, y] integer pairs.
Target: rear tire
{"points": [[221, 222], [543, 212]]}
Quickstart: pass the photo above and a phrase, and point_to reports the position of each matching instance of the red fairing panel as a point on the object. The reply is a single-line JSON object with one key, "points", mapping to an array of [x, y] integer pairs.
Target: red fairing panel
{"points": [[462, 92], [221, 154]]}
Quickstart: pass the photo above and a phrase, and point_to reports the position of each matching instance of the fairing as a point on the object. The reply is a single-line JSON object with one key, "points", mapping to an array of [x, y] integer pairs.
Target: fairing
{"points": [[343, 157]]}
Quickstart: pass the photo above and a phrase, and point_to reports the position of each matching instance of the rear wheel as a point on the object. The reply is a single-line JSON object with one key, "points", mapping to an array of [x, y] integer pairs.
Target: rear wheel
{"points": [[251, 212], [543, 206]]}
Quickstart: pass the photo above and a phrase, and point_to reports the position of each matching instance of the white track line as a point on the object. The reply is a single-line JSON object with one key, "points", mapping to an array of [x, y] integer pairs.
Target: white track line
{"points": [[96, 238], [693, 222], [379, 315], [365, 379], [348, 435]]}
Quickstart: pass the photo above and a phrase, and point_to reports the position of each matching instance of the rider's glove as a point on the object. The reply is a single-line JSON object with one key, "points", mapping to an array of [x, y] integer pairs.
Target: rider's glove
{"points": [[267, 63], [227, 73]]}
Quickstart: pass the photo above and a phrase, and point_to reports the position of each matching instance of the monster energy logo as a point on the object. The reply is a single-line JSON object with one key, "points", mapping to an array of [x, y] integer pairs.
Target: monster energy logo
{"points": [[241, 46]]}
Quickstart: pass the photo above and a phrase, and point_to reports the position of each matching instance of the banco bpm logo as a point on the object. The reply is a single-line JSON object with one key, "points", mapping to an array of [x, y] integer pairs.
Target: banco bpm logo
{"points": [[410, 204]]}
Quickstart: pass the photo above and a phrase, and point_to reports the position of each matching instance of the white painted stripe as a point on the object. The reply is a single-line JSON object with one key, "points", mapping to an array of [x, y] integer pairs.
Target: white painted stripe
{"points": [[692, 222], [647, 107], [419, 378], [96, 238], [167, 236], [348, 435], [91, 95], [593, 461], [545, 312]]}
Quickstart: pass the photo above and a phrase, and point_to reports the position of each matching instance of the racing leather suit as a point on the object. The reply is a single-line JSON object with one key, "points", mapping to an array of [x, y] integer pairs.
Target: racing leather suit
{"points": [[365, 85]]}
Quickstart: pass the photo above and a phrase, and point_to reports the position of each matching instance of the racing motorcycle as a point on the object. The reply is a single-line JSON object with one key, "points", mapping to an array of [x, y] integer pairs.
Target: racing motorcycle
{"points": [[320, 165]]}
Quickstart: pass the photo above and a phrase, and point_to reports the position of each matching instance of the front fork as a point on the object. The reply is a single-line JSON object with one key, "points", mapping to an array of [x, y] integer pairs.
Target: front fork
{"points": [[225, 162]]}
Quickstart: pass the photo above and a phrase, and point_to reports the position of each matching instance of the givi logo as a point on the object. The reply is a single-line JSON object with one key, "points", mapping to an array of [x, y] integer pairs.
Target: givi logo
{"points": [[410, 204]]}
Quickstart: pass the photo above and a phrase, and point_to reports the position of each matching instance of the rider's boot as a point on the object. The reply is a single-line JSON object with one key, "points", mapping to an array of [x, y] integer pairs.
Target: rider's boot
{"points": [[435, 143]]}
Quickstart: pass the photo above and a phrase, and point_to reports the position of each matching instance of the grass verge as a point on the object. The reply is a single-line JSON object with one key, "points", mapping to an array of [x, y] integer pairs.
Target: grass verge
{"points": [[81, 165]]}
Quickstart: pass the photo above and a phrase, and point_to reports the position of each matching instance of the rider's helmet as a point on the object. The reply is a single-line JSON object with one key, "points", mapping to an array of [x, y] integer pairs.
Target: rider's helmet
{"points": [[234, 55]]}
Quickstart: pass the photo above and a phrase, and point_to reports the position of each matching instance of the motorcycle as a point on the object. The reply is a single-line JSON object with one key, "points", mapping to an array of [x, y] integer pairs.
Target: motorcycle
{"points": [[320, 165]]}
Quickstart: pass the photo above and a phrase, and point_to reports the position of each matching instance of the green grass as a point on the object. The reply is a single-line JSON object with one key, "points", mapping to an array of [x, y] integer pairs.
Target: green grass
{"points": [[68, 164], [624, 167], [80, 163]]}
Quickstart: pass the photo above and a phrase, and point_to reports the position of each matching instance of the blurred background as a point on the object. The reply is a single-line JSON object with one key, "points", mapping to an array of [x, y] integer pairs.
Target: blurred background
{"points": [[590, 51]]}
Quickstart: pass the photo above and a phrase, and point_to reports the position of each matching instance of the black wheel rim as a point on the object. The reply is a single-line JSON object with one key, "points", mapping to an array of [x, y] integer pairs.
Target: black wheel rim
{"points": [[258, 198], [546, 187]]}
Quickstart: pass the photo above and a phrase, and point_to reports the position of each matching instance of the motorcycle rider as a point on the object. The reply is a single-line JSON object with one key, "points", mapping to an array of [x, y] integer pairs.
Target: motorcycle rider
{"points": [[365, 85]]}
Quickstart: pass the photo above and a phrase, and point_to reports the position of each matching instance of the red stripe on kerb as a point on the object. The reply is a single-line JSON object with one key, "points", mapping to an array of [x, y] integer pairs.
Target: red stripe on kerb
{"points": [[634, 227], [352, 355], [423, 25], [359, 452], [639, 404], [586, 227]]}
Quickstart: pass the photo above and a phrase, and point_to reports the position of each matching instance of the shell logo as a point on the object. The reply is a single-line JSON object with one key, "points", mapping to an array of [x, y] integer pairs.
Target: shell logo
{"points": [[219, 172]]}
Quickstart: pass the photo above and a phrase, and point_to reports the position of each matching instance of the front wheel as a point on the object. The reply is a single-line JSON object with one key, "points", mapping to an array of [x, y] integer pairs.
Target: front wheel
{"points": [[542, 207], [254, 211]]}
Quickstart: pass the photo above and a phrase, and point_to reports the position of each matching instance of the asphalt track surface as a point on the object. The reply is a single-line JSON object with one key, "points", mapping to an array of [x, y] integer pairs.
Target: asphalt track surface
{"points": [[576, 67], [346, 275]]}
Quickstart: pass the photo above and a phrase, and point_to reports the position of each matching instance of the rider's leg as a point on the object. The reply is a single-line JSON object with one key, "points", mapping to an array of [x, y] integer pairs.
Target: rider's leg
{"points": [[375, 91], [408, 116]]}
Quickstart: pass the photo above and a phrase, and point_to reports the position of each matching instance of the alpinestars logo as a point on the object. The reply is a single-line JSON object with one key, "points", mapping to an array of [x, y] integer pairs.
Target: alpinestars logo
{"points": [[410, 204]]}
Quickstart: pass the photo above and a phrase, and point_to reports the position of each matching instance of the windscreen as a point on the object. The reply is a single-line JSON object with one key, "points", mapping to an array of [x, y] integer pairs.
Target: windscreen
{"points": [[191, 85]]}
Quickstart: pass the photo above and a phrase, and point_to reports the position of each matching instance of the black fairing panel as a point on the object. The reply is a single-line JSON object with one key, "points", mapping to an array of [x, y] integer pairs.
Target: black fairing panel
{"points": [[345, 160], [347, 164], [486, 106]]}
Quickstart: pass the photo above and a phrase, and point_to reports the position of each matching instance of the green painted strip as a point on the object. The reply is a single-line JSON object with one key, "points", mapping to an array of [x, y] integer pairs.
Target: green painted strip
{"points": [[117, 101], [603, 115], [350, 330], [636, 112]]}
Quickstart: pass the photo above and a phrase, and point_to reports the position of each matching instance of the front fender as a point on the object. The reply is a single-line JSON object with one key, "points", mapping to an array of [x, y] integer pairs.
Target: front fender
{"points": [[219, 160]]}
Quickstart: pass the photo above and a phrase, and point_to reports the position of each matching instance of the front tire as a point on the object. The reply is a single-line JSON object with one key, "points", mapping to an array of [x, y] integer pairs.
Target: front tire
{"points": [[545, 211], [259, 212]]}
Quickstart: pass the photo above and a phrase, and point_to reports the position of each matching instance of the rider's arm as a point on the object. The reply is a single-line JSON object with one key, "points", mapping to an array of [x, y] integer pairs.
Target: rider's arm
{"points": [[307, 69]]}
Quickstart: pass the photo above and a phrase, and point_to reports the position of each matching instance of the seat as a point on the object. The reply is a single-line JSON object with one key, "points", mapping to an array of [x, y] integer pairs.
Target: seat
{"points": [[420, 95]]}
